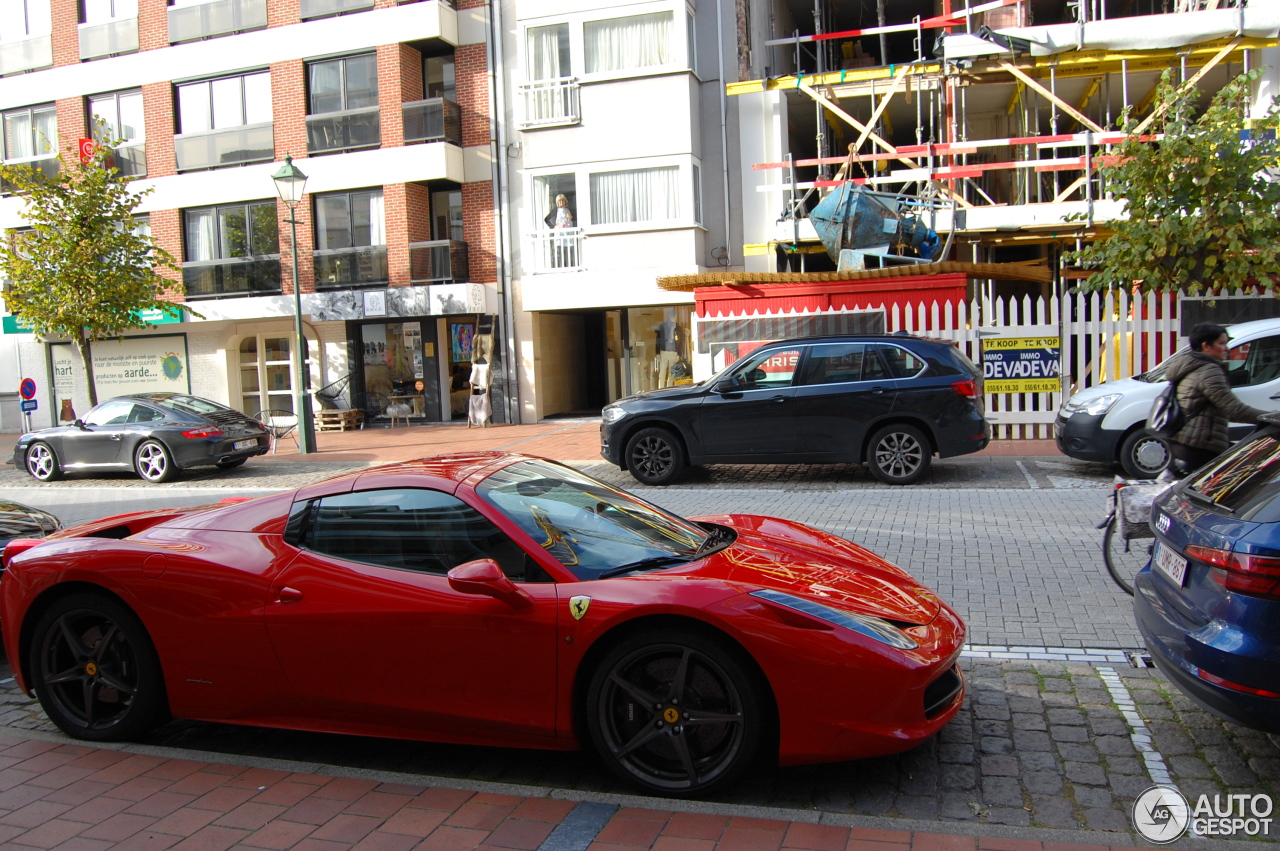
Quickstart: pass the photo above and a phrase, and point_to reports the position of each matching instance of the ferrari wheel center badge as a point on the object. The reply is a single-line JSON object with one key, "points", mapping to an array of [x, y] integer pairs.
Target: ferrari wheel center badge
{"points": [[578, 607], [91, 669], [671, 715]]}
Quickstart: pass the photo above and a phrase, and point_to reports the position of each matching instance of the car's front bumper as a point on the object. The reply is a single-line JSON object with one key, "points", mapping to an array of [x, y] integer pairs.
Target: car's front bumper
{"points": [[1082, 436]]}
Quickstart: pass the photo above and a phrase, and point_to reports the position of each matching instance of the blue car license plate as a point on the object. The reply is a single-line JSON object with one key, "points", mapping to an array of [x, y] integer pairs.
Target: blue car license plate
{"points": [[1172, 565]]}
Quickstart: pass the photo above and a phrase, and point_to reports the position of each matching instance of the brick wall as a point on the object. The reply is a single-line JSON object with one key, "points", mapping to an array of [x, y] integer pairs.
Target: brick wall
{"points": [[153, 24], [72, 126], [166, 231], [289, 107], [281, 13], [473, 93], [157, 106], [395, 211], [390, 74], [306, 244], [477, 230], [65, 15], [418, 210]]}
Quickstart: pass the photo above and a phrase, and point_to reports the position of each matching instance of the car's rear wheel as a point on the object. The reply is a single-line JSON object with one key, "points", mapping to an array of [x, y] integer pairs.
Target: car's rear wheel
{"points": [[95, 670], [230, 463], [899, 454], [42, 464], [654, 456], [154, 462], [1143, 455], [676, 712]]}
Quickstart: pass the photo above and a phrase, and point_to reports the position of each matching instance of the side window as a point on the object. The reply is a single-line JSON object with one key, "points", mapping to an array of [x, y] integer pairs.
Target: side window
{"points": [[1254, 363], [771, 369], [837, 363], [109, 413], [143, 414], [411, 529], [902, 363]]}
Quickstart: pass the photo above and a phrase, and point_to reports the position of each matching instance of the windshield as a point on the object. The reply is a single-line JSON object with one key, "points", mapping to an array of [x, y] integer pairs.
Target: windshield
{"points": [[190, 405], [589, 527]]}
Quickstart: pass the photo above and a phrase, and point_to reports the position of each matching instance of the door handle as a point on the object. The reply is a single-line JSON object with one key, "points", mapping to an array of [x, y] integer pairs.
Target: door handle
{"points": [[779, 398], [115, 437], [288, 595], [877, 391]]}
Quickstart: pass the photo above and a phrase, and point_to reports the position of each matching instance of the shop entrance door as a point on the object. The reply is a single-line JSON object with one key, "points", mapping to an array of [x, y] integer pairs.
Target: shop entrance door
{"points": [[399, 365]]}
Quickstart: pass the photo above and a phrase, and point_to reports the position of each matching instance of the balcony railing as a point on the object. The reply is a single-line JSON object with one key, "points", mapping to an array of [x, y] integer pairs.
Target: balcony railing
{"points": [[432, 120], [131, 160], [221, 17], [322, 8], [345, 267], [558, 250], [549, 103], [442, 260], [46, 164], [249, 144], [109, 39], [344, 131], [240, 277], [26, 55]]}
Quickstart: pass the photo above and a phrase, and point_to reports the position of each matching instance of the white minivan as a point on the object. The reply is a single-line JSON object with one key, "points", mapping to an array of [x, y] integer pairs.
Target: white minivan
{"points": [[1107, 422]]}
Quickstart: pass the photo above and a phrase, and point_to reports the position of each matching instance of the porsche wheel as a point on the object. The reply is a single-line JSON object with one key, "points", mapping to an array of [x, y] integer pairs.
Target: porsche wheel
{"points": [[654, 456], [153, 462], [42, 464], [95, 670], [899, 455], [678, 713]]}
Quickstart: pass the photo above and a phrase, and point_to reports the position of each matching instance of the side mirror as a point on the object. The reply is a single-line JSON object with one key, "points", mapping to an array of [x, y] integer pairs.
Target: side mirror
{"points": [[80, 424], [484, 577], [728, 385]]}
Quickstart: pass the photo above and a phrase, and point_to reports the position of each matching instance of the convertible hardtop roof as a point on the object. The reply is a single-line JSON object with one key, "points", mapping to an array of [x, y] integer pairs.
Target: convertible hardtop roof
{"points": [[444, 472]]}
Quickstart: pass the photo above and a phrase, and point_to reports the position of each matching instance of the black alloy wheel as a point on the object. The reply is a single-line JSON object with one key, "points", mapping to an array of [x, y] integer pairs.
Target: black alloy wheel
{"points": [[899, 454], [95, 670], [153, 462], [678, 715], [654, 456], [42, 464]]}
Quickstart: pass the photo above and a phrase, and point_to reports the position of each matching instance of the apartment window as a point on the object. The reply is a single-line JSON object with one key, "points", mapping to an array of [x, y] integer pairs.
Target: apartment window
{"points": [[232, 231], [636, 195], [226, 102], [336, 85], [692, 46], [625, 44], [547, 189], [30, 132], [349, 220], [117, 119], [24, 19], [446, 215], [548, 52], [697, 195], [102, 11], [440, 75]]}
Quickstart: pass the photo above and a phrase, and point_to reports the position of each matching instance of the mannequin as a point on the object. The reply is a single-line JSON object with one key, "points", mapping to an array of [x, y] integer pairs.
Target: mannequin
{"points": [[478, 407], [670, 342]]}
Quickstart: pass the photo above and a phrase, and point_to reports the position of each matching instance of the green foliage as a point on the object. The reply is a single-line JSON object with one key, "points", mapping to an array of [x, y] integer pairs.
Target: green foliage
{"points": [[81, 271], [1201, 206]]}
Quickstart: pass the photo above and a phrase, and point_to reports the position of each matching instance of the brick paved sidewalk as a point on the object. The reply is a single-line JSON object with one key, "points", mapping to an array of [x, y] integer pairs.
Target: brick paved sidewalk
{"points": [[69, 796]]}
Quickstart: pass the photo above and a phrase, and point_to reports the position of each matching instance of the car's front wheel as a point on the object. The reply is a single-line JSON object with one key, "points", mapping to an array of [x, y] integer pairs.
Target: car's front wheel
{"points": [[654, 456], [154, 462], [676, 712], [899, 454], [1143, 455], [42, 464], [95, 670]]}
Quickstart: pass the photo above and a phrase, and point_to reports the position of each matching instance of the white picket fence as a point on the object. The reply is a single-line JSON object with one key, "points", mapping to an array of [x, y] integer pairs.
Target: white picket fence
{"points": [[1104, 337]]}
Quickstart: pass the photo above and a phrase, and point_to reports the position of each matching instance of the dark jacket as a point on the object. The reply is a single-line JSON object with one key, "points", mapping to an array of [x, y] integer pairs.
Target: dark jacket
{"points": [[1206, 397]]}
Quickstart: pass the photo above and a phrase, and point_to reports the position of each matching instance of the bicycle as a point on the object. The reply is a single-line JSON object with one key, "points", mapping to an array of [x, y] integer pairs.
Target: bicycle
{"points": [[1128, 520]]}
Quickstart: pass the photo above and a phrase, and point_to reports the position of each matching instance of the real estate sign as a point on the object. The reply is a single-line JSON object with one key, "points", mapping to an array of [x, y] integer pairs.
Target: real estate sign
{"points": [[1022, 365]]}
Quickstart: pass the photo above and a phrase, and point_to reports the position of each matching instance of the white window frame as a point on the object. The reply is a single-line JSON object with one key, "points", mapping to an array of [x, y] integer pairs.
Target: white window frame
{"points": [[118, 10], [582, 183], [36, 20]]}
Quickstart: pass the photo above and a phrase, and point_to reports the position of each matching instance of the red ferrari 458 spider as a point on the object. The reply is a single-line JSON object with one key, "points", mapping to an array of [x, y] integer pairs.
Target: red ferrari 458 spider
{"points": [[487, 599]]}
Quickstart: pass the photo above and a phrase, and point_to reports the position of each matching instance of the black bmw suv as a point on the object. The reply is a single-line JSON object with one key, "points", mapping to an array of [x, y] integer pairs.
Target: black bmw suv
{"points": [[892, 402]]}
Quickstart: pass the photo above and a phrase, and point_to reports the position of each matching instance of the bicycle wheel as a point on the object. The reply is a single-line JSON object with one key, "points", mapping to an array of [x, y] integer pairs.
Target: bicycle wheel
{"points": [[1124, 558]]}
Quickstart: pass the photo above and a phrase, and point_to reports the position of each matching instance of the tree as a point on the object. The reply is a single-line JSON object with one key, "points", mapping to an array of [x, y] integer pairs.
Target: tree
{"points": [[1201, 205], [82, 270]]}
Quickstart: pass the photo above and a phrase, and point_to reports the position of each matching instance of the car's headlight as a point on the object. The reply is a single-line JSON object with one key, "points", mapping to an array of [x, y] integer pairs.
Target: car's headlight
{"points": [[1093, 407], [612, 414], [875, 628]]}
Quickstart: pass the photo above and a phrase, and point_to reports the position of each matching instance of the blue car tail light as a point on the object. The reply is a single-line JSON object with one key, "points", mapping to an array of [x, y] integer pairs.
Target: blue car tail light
{"points": [[1241, 573], [1224, 683]]}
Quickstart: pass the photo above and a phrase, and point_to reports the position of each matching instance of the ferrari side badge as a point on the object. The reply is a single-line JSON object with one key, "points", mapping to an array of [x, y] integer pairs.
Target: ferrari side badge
{"points": [[578, 607]]}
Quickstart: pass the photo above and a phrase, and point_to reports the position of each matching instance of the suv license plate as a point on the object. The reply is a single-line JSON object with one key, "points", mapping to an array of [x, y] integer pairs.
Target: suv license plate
{"points": [[245, 444], [1172, 565]]}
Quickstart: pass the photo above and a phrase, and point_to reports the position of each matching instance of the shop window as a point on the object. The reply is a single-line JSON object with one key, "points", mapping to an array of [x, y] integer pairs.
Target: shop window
{"points": [[625, 44], [657, 351]]}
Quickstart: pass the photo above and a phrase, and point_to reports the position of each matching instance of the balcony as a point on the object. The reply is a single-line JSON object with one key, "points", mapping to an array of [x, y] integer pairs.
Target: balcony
{"points": [[26, 55], [338, 268], [439, 261], [432, 120], [252, 143], [46, 164], [240, 277], [108, 39], [344, 131], [324, 8], [220, 17], [558, 250], [550, 103], [131, 160]]}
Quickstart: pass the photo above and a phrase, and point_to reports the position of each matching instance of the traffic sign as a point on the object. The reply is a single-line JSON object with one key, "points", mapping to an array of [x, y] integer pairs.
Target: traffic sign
{"points": [[27, 389], [28, 405]]}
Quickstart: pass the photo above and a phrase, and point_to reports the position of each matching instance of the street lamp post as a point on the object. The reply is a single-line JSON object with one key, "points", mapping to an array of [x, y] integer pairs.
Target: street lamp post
{"points": [[290, 184]]}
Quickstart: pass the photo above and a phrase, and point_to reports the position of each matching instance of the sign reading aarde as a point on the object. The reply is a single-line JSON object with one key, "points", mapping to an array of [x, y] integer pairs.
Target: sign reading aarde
{"points": [[1021, 365]]}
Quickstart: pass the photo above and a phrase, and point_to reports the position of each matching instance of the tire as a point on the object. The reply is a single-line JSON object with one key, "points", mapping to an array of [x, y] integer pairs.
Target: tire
{"points": [[899, 454], [1124, 558], [153, 462], [654, 456], [1143, 455], [230, 463], [42, 463], [676, 713], [95, 670]]}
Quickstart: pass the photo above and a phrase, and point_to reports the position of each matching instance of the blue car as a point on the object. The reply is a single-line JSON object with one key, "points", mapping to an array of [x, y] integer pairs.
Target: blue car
{"points": [[1208, 601]]}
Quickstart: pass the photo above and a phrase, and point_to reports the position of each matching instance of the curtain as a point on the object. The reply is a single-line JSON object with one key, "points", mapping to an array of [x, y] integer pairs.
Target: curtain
{"points": [[642, 195], [619, 44], [326, 87], [377, 220], [548, 53], [17, 135], [202, 234], [46, 126]]}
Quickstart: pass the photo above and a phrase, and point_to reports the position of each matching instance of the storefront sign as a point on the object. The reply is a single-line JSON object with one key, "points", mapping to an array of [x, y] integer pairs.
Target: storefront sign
{"points": [[375, 303], [131, 365], [1021, 365], [155, 316]]}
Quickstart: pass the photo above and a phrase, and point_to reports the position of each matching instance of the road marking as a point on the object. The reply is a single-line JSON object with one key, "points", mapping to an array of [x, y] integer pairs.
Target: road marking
{"points": [[1090, 655], [1030, 479], [1139, 734]]}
